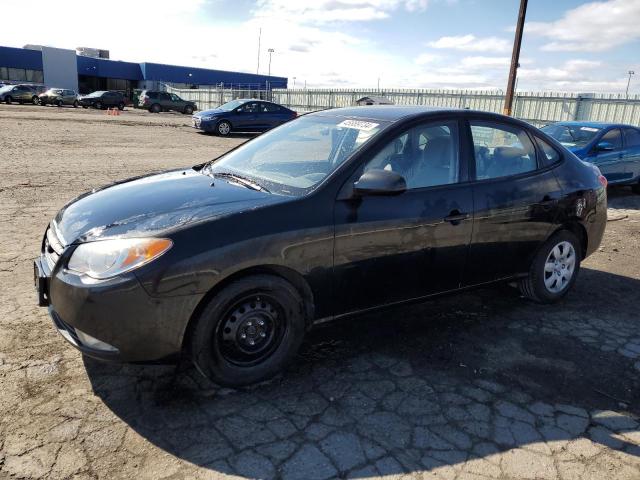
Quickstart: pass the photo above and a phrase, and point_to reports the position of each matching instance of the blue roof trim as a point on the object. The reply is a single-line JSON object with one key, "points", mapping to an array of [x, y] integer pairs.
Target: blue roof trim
{"points": [[100, 67], [20, 58], [203, 76]]}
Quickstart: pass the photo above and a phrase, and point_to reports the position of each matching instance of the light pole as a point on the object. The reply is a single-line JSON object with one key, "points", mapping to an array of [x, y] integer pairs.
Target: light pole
{"points": [[630, 72], [271, 50]]}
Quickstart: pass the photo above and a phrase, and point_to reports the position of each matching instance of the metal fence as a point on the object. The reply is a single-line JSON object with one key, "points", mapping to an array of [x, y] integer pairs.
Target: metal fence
{"points": [[537, 108]]}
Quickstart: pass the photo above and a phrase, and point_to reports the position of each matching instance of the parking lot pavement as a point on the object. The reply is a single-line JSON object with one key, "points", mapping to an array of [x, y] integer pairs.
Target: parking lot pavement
{"points": [[474, 386]]}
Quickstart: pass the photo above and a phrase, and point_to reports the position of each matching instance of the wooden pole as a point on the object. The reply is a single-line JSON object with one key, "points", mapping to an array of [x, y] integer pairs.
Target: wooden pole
{"points": [[515, 58]]}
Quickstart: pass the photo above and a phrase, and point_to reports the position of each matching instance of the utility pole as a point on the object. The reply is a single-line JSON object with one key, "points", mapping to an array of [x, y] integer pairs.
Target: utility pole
{"points": [[630, 72], [515, 58], [259, 39]]}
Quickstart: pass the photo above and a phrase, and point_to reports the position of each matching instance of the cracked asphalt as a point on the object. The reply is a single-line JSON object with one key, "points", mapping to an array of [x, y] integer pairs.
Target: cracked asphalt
{"points": [[480, 385]]}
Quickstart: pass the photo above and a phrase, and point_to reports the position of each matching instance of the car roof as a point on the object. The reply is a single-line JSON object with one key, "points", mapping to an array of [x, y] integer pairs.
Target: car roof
{"points": [[393, 113], [593, 124]]}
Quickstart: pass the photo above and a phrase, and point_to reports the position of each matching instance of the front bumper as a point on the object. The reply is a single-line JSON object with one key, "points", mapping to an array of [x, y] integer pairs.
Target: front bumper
{"points": [[117, 315], [204, 125]]}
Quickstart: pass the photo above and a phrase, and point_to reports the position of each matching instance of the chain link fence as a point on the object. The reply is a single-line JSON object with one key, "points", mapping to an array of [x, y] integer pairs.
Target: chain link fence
{"points": [[538, 108]]}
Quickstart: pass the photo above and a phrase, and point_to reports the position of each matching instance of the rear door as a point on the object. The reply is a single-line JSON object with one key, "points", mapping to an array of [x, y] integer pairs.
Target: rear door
{"points": [[515, 201], [611, 162], [274, 115], [632, 153], [177, 103], [164, 99], [395, 248]]}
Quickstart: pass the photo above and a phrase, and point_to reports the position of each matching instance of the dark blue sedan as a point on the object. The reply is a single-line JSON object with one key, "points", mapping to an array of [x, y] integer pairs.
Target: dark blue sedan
{"points": [[246, 115], [613, 148]]}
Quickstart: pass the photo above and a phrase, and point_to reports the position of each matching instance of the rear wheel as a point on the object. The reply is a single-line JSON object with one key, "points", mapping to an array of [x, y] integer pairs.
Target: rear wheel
{"points": [[58, 103], [98, 105], [223, 128], [8, 99], [155, 108], [75, 104], [121, 106], [35, 100], [249, 331], [554, 269]]}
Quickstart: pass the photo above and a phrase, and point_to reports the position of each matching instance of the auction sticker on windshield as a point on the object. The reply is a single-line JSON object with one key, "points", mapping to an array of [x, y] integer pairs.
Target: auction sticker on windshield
{"points": [[358, 125]]}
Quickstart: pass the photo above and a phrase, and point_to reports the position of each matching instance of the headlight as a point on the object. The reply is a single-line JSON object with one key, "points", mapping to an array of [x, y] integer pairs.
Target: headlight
{"points": [[206, 118], [108, 258]]}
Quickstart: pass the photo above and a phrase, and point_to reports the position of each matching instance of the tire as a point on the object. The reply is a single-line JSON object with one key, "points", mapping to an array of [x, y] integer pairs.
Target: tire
{"points": [[265, 309], [155, 108], [636, 188], [223, 128], [75, 104], [35, 100], [58, 103], [85, 106], [554, 269], [98, 105], [8, 99], [121, 106], [188, 110]]}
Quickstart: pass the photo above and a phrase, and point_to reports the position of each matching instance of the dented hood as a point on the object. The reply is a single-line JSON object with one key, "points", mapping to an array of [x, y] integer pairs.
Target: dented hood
{"points": [[153, 204]]}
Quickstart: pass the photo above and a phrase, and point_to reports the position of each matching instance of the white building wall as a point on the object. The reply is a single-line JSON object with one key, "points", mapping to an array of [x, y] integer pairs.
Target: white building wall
{"points": [[60, 68]]}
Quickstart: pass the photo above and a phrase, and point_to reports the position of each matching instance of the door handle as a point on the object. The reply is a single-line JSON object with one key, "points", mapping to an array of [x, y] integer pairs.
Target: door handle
{"points": [[455, 217]]}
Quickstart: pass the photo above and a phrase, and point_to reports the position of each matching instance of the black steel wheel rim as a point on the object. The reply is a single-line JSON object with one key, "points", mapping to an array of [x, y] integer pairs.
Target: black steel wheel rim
{"points": [[251, 330]]}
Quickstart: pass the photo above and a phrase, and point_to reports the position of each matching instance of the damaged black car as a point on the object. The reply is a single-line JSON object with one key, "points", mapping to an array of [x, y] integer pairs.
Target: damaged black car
{"points": [[336, 213]]}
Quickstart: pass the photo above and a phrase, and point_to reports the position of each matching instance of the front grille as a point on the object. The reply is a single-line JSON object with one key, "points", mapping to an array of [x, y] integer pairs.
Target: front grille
{"points": [[52, 248]]}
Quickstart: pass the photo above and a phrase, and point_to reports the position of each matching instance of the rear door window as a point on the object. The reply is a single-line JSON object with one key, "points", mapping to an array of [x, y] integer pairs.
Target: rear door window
{"points": [[631, 138], [501, 150]]}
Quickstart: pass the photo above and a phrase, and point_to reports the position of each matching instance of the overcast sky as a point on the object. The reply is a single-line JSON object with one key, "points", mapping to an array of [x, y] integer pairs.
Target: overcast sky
{"points": [[569, 45]]}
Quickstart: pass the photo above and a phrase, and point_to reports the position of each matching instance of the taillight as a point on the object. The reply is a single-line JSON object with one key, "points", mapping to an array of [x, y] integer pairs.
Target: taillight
{"points": [[603, 180]]}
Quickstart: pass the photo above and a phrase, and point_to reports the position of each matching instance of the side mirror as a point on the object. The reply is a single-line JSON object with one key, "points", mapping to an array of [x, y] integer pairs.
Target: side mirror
{"points": [[379, 182], [604, 147]]}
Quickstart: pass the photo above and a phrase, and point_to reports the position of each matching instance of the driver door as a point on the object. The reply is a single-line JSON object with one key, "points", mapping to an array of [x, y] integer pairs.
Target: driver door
{"points": [[393, 248]]}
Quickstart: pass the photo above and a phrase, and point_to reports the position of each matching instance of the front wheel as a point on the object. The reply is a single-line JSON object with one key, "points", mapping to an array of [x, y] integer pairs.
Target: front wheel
{"points": [[188, 110], [554, 269], [121, 106], [8, 99], [223, 128], [98, 105], [35, 100], [75, 104], [249, 331], [59, 103]]}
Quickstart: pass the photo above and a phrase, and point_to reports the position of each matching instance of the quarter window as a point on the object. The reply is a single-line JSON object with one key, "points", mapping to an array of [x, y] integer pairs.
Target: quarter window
{"points": [[501, 150], [614, 138], [426, 155], [549, 154]]}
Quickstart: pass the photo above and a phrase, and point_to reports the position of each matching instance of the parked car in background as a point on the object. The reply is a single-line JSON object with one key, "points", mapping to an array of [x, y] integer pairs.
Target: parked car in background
{"points": [[614, 148], [19, 93], [59, 97], [156, 102], [333, 214], [242, 116], [103, 99]]}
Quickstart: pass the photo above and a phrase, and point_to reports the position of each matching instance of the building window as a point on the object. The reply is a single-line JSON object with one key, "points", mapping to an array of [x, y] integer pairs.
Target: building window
{"points": [[21, 75]]}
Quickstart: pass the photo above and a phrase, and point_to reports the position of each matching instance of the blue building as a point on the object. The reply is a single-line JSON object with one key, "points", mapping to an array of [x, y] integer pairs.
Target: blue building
{"points": [[63, 68]]}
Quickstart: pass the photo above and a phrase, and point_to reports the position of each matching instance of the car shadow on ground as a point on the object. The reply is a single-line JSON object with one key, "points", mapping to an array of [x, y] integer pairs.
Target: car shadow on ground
{"points": [[621, 197], [450, 383]]}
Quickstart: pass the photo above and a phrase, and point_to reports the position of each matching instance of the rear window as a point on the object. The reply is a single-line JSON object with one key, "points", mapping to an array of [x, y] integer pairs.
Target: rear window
{"points": [[631, 137]]}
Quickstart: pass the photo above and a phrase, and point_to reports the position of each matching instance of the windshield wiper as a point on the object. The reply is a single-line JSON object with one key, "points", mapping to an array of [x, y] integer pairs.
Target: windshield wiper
{"points": [[245, 182]]}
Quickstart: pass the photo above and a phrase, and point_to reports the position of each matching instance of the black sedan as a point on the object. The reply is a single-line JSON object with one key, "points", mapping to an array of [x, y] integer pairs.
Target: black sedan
{"points": [[335, 213], [103, 99]]}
